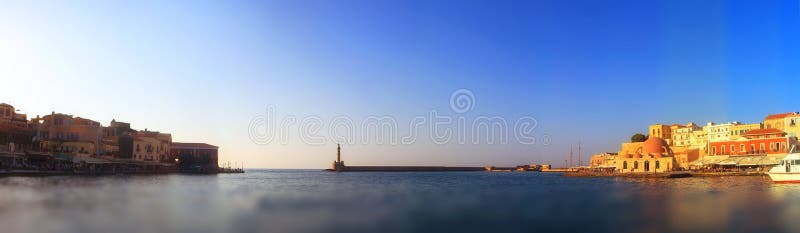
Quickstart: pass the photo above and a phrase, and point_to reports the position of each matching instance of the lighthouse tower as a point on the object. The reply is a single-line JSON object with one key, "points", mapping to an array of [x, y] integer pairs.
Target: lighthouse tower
{"points": [[338, 165]]}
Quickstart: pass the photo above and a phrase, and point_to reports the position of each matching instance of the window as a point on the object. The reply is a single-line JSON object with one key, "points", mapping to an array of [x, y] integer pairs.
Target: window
{"points": [[761, 147], [635, 164], [752, 148], [733, 149], [658, 165], [742, 148], [722, 149], [714, 150], [624, 164]]}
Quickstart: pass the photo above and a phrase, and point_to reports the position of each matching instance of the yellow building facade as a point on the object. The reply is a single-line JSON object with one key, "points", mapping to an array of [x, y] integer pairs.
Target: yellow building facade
{"points": [[738, 131], [652, 155], [778, 121], [603, 160], [792, 125], [151, 146], [64, 133], [661, 131], [682, 136]]}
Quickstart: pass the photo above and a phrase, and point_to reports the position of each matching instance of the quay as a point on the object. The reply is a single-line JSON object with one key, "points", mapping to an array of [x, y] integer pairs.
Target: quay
{"points": [[675, 174], [630, 175], [405, 169], [339, 166], [63, 144]]}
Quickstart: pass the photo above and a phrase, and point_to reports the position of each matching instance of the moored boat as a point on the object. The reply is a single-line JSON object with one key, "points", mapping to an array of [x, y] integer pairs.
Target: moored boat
{"points": [[788, 171]]}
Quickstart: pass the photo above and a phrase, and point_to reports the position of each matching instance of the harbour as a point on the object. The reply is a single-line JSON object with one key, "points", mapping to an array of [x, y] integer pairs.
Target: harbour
{"points": [[63, 144]]}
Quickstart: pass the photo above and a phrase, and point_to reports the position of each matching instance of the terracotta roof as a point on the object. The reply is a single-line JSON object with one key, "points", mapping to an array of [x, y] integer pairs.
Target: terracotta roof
{"points": [[186, 145], [780, 116], [763, 131]]}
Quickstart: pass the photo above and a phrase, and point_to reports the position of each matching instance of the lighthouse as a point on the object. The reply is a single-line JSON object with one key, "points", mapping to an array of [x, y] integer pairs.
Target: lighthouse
{"points": [[338, 165]]}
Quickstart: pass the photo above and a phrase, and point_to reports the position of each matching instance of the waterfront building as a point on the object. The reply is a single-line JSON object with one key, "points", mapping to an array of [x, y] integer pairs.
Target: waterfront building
{"points": [[15, 133], [118, 140], [682, 136], [699, 140], [64, 133], [792, 125], [684, 155], [738, 131], [661, 131], [652, 155], [719, 132], [606, 159], [9, 115], [195, 157], [152, 146], [778, 121], [769, 141]]}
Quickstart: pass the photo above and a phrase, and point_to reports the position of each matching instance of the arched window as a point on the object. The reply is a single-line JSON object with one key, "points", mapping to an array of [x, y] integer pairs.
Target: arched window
{"points": [[658, 165], [647, 165], [635, 164], [624, 164]]}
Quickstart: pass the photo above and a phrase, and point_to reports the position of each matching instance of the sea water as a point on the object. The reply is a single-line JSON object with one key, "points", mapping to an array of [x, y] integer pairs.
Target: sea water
{"points": [[318, 201]]}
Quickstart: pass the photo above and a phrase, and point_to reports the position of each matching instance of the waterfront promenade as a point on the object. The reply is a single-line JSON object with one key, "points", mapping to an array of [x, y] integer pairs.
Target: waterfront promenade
{"points": [[44, 164]]}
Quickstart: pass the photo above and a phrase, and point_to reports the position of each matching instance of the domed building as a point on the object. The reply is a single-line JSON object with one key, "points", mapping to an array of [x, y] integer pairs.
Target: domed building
{"points": [[652, 155]]}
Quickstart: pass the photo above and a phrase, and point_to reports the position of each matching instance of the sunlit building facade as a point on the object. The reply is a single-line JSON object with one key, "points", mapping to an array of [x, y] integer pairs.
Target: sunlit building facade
{"points": [[756, 142], [719, 132], [738, 131], [682, 136], [661, 131], [67, 134], [652, 155], [778, 121]]}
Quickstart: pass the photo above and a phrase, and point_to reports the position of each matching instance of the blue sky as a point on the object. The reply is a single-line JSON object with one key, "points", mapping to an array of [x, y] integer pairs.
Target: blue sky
{"points": [[589, 71]]}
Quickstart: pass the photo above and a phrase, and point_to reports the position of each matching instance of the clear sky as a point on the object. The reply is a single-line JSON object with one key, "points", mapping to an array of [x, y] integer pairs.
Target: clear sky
{"points": [[589, 71]]}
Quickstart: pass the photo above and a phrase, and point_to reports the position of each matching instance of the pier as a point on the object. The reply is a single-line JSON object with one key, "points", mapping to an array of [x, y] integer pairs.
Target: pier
{"points": [[29, 163], [339, 166], [405, 169]]}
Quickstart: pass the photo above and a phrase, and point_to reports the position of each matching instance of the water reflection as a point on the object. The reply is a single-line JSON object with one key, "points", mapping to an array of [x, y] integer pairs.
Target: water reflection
{"points": [[313, 201]]}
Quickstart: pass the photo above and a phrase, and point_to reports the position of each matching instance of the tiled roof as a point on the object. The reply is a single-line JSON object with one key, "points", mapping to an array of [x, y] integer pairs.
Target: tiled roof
{"points": [[763, 131], [780, 116]]}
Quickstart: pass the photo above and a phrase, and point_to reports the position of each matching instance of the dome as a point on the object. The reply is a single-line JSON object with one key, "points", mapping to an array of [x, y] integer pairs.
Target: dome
{"points": [[654, 146]]}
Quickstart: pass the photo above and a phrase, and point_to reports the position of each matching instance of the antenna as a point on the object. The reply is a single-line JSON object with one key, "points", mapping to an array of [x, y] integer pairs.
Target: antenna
{"points": [[570, 155], [579, 153]]}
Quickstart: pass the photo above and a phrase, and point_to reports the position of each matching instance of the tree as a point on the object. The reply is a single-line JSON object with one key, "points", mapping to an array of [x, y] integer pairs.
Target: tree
{"points": [[638, 138]]}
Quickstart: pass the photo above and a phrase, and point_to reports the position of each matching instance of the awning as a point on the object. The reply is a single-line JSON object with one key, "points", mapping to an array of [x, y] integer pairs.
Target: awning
{"points": [[751, 160], [772, 159], [724, 160], [709, 160]]}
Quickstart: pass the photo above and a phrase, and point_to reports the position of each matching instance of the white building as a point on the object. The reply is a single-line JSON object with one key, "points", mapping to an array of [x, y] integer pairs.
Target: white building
{"points": [[719, 132]]}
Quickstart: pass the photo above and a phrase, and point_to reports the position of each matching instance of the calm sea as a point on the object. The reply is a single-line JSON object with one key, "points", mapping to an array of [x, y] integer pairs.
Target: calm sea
{"points": [[315, 201]]}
